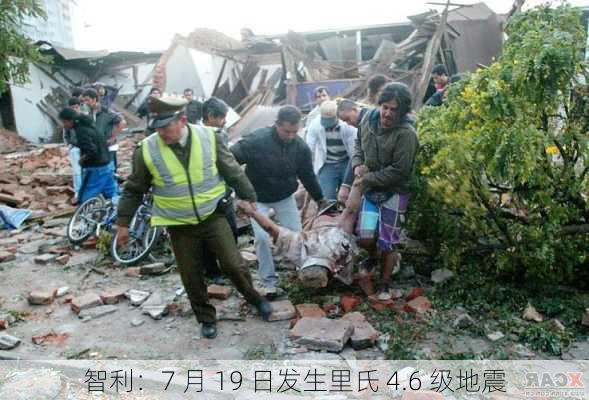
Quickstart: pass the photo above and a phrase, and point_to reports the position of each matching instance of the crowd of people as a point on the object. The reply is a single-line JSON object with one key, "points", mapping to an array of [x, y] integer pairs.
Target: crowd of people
{"points": [[194, 175]]}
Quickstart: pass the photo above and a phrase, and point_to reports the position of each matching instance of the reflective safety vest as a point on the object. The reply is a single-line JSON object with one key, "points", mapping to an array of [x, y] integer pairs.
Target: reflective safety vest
{"points": [[184, 196]]}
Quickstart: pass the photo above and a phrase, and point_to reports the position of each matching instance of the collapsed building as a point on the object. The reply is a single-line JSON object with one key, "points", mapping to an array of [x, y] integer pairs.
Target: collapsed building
{"points": [[31, 109], [259, 72]]}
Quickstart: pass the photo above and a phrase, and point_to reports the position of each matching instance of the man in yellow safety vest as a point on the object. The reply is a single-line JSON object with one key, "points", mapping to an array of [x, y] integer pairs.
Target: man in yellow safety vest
{"points": [[188, 167]]}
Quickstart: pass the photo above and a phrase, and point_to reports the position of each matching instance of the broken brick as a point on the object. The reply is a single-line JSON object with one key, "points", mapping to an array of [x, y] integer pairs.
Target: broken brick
{"points": [[381, 305], [85, 302], [322, 333], [42, 297], [418, 305], [364, 335], [219, 292], [309, 311], [63, 260], [8, 342], [45, 259], [134, 272], [6, 256], [349, 302], [415, 293], [137, 297], [153, 269], [6, 320], [50, 338], [90, 243], [112, 296], [282, 310]]}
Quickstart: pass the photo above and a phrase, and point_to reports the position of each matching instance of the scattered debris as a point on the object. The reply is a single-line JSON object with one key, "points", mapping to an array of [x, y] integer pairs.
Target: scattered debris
{"points": [[415, 293], [250, 258], [62, 291], [63, 259], [6, 319], [419, 305], [282, 310], [463, 321], [364, 335], [495, 336], [6, 256], [45, 259], [155, 306], [557, 326], [309, 311], [8, 342], [137, 322], [441, 275], [96, 312], [134, 272], [37, 384], [113, 296], [531, 314], [349, 302], [137, 297], [42, 297], [84, 302], [322, 333], [51, 338], [153, 269], [219, 292]]}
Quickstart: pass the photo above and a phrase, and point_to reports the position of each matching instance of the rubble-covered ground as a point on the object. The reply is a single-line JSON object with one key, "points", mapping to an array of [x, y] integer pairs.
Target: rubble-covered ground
{"points": [[59, 302]]}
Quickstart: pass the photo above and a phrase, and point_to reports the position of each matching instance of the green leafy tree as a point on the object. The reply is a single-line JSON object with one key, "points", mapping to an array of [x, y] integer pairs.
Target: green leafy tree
{"points": [[504, 163], [17, 50]]}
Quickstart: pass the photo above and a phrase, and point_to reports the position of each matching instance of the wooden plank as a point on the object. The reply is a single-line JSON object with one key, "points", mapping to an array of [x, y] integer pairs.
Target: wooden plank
{"points": [[429, 60], [218, 82]]}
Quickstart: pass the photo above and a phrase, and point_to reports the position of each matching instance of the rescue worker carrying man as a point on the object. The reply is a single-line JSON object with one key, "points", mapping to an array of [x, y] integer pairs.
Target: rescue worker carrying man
{"points": [[187, 166]]}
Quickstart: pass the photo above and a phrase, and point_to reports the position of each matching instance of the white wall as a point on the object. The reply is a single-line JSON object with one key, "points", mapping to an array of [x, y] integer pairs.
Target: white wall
{"points": [[181, 73], [32, 123]]}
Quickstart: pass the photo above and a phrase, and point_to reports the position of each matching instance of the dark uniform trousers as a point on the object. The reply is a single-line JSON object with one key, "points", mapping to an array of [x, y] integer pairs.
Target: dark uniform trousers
{"points": [[213, 234]]}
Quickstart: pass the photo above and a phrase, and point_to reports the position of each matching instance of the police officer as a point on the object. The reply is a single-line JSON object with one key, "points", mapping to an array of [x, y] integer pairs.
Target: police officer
{"points": [[187, 166]]}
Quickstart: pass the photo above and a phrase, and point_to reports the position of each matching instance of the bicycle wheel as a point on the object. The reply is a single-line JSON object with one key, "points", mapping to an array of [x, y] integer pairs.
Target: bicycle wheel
{"points": [[85, 220], [141, 239], [161, 247]]}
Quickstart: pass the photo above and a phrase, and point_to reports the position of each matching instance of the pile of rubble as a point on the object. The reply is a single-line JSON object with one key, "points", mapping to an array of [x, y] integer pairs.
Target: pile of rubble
{"points": [[41, 179], [11, 142]]}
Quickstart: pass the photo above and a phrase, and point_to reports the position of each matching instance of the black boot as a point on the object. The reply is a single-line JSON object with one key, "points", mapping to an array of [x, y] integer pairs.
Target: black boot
{"points": [[209, 330], [265, 309]]}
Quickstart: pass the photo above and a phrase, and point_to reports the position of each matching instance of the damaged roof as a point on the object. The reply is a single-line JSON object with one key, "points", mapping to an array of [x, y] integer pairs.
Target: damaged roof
{"points": [[91, 61]]}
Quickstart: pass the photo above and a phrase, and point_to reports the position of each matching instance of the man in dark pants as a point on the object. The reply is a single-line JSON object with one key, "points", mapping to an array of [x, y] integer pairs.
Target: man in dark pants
{"points": [[187, 166], [276, 158]]}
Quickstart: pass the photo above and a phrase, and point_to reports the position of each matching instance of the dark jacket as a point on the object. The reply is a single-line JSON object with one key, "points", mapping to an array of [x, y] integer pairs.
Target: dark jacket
{"points": [[93, 148], [389, 155], [194, 111], [140, 179], [105, 122], [273, 165]]}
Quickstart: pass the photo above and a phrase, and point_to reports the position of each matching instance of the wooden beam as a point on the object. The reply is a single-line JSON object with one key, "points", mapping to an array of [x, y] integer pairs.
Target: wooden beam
{"points": [[218, 82], [429, 60]]}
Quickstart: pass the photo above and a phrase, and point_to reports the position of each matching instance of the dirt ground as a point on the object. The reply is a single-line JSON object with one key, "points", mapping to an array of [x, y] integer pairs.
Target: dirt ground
{"points": [[460, 321]]}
